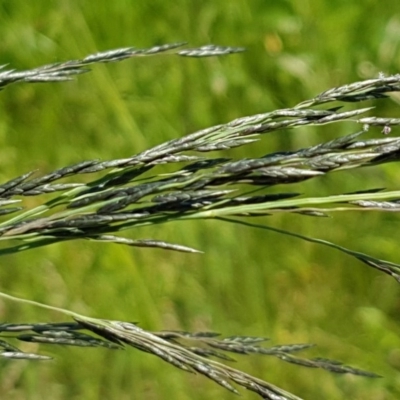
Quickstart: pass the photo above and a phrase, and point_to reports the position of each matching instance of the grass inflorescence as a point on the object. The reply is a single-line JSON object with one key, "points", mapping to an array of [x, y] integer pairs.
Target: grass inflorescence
{"points": [[131, 192]]}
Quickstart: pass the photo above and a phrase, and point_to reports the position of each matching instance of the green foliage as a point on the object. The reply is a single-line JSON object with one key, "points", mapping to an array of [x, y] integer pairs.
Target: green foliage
{"points": [[248, 281]]}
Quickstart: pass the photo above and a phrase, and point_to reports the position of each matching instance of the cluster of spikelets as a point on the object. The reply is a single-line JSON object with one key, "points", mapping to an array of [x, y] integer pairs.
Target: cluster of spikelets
{"points": [[123, 195]]}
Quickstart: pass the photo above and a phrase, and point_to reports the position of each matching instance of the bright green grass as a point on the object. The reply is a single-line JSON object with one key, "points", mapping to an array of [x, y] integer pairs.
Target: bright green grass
{"points": [[248, 281]]}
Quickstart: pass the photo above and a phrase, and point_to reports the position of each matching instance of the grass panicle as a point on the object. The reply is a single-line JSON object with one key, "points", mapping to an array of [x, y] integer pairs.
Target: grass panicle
{"points": [[65, 71], [133, 191]]}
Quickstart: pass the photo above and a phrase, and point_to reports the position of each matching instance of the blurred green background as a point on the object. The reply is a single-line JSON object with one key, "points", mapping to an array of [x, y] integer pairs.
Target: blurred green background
{"points": [[248, 282]]}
